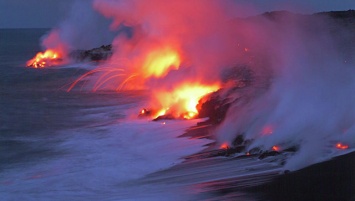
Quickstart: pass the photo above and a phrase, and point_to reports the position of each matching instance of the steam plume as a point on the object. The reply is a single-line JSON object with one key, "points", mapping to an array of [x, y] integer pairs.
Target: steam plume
{"points": [[310, 101], [308, 93]]}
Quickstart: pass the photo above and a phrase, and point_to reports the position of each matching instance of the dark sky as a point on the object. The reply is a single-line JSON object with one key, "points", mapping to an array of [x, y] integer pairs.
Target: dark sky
{"points": [[33, 13], [48, 13]]}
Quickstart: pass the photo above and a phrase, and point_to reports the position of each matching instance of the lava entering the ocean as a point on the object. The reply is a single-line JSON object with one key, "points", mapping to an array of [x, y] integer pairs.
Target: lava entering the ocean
{"points": [[176, 102], [276, 148], [44, 59], [158, 63], [181, 102], [278, 93], [341, 146]]}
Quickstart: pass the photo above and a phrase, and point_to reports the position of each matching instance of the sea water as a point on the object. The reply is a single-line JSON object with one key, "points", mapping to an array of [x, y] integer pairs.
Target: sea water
{"points": [[80, 145], [56, 145]]}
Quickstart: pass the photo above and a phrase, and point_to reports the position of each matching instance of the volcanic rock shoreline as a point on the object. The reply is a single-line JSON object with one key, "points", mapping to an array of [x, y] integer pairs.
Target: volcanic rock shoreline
{"points": [[96, 54], [244, 81], [328, 180], [333, 179]]}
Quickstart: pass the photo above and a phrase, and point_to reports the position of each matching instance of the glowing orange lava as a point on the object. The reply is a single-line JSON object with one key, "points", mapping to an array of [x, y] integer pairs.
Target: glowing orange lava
{"points": [[143, 111], [159, 62], [276, 148], [156, 63], [182, 101], [161, 112], [178, 102], [108, 73], [44, 59], [224, 146], [341, 146]]}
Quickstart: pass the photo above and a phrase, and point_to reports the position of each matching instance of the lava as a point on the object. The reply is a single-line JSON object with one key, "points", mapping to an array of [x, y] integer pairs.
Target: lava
{"points": [[156, 63], [143, 111], [276, 148], [159, 62], [181, 102], [43, 59], [341, 146], [108, 73], [224, 146], [178, 102]]}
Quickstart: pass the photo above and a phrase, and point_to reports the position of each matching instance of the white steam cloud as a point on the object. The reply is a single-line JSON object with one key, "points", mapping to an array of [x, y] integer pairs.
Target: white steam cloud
{"points": [[84, 28], [308, 99]]}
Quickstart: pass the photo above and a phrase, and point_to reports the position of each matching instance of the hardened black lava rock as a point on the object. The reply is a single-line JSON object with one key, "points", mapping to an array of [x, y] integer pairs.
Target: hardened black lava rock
{"points": [[215, 105], [330, 180], [97, 54]]}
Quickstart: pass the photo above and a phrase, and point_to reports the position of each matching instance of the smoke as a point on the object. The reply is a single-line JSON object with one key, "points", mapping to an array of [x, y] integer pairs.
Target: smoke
{"points": [[310, 101], [304, 91], [83, 29], [174, 44], [199, 31]]}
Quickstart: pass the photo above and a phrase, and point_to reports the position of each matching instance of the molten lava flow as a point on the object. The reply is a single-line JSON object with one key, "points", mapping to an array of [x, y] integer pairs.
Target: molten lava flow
{"points": [[341, 146], [182, 101], [178, 102], [108, 73], [276, 148], [143, 111], [224, 146], [161, 112], [158, 63], [48, 58]]}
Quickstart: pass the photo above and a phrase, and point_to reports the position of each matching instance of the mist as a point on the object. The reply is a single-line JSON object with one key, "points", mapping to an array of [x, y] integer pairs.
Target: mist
{"points": [[303, 86], [309, 103], [83, 28]]}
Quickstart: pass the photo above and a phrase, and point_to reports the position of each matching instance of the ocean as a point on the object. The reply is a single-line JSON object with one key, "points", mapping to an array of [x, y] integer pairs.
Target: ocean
{"points": [[79, 145], [57, 145]]}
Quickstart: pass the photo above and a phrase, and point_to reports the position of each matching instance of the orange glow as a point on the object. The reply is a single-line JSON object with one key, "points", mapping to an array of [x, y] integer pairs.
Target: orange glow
{"points": [[189, 115], [276, 148], [267, 130], [158, 63], [341, 146], [224, 146], [183, 100], [109, 73], [48, 58], [161, 112], [178, 102]]}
